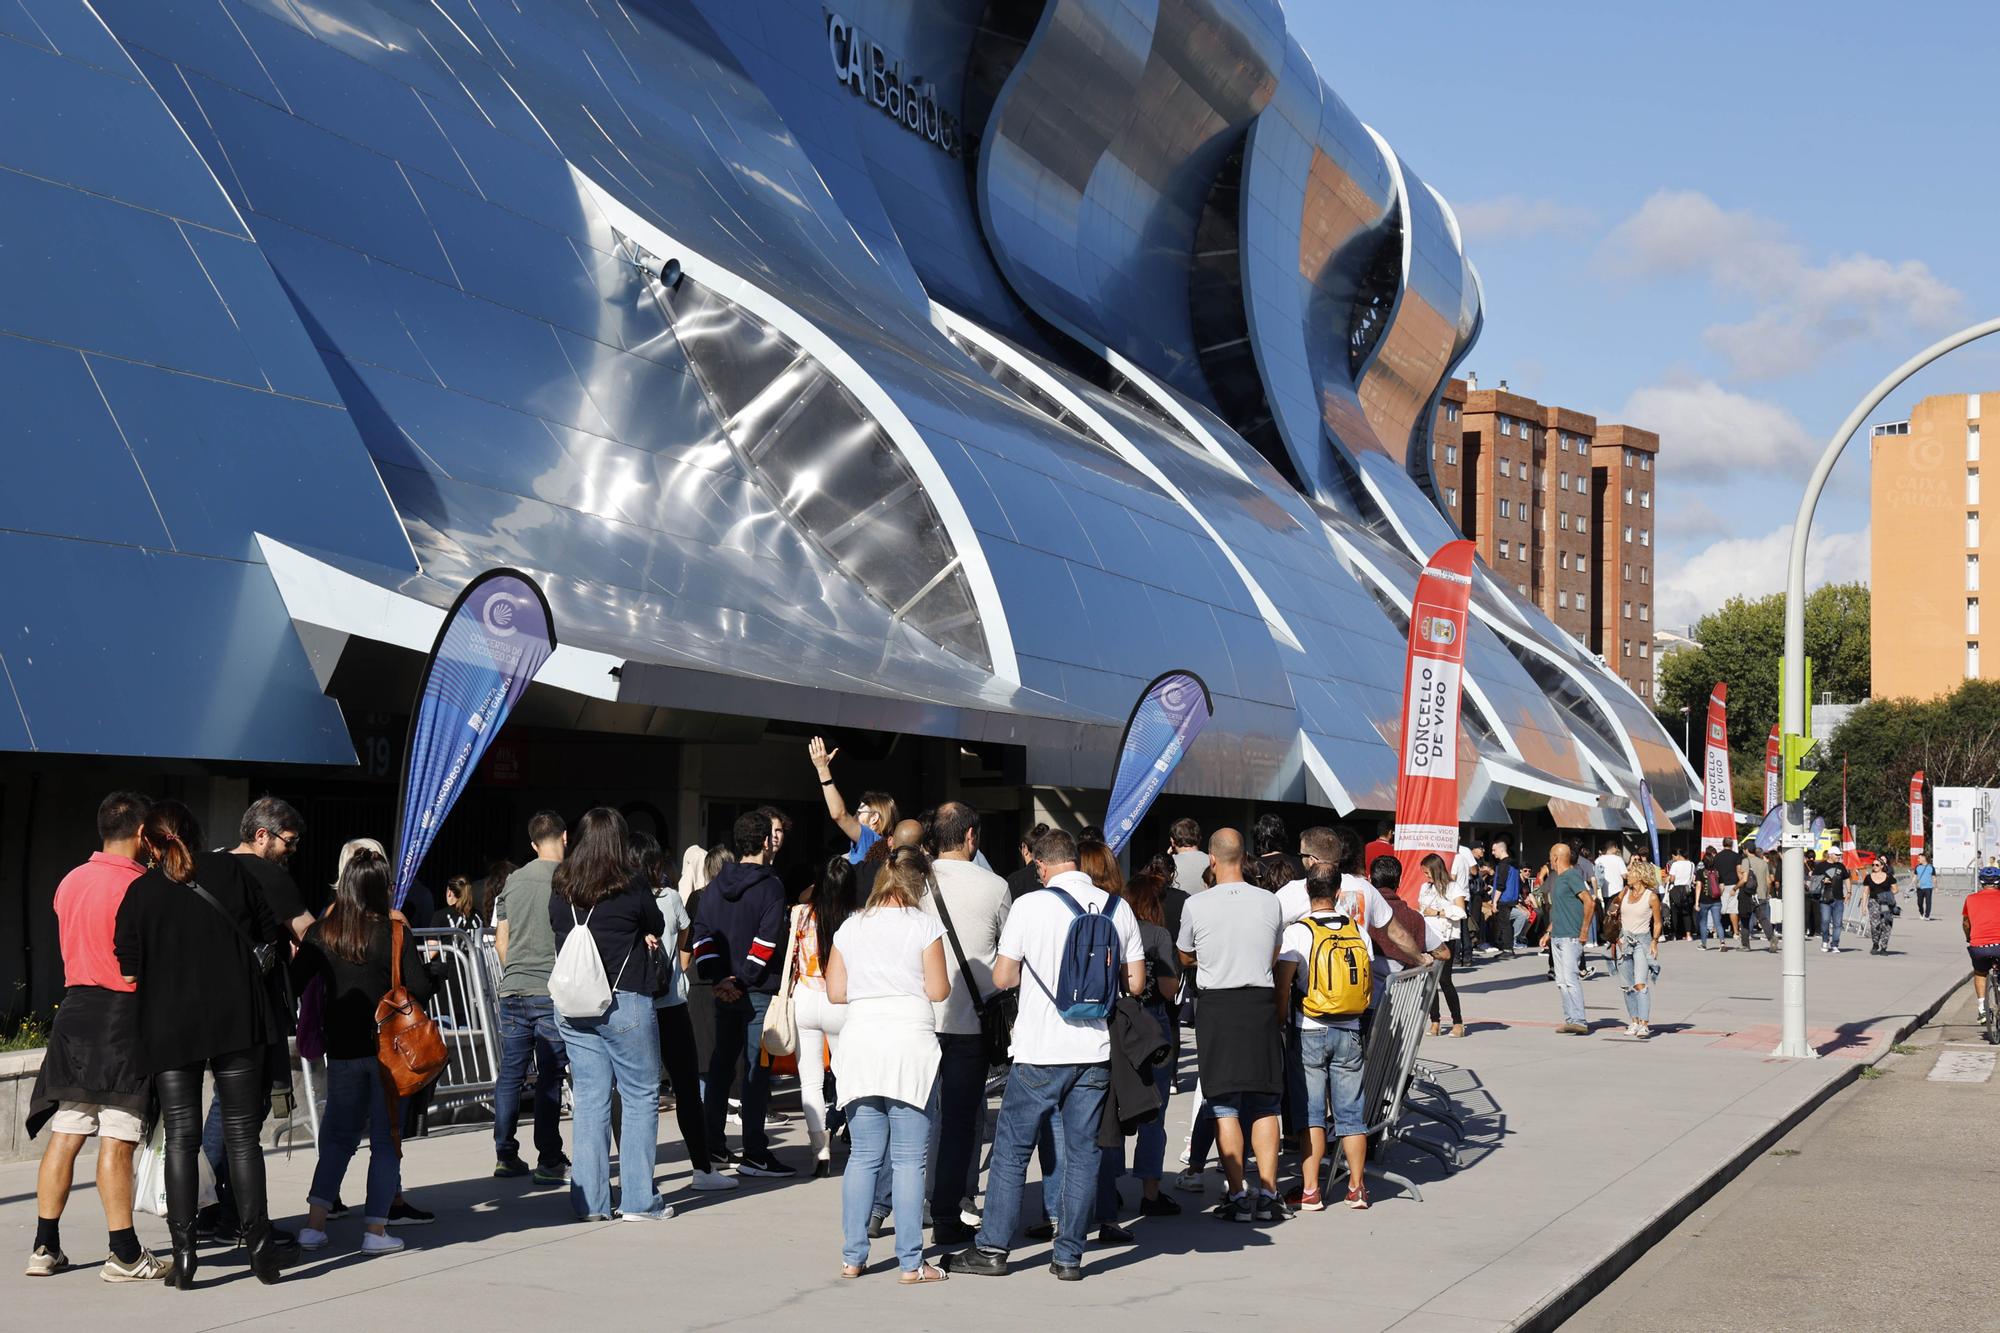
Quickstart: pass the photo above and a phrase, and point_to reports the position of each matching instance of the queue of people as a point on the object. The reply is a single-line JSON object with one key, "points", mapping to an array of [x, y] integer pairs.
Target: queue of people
{"points": [[905, 970]]}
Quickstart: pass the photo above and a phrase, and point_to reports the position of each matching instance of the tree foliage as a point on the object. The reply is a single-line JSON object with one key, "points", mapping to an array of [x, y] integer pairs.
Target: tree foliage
{"points": [[1954, 740], [1742, 643]]}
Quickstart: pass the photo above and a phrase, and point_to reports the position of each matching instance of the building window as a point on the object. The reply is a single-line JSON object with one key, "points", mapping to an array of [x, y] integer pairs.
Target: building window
{"points": [[1521, 588], [1562, 480], [1972, 661], [1645, 612], [1563, 444], [1628, 495], [1972, 486], [1506, 425], [1562, 521], [1506, 468], [1628, 610], [1522, 553], [1562, 558], [1644, 648], [1645, 499], [1645, 536], [1506, 549], [1451, 496], [1628, 536], [1642, 687], [1972, 615], [1972, 444], [1506, 510], [1562, 600], [1581, 602], [1972, 407], [1451, 455], [1582, 564], [1628, 647], [1628, 572], [1972, 573], [1645, 462], [1972, 529], [1582, 523]]}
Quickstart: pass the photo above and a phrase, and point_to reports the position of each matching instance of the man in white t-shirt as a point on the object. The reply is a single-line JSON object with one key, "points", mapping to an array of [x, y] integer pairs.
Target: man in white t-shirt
{"points": [[1190, 861], [1062, 1067], [1330, 1048], [976, 901]]}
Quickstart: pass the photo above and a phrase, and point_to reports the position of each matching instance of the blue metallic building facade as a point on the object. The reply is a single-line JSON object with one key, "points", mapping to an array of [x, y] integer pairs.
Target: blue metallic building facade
{"points": [[947, 367]]}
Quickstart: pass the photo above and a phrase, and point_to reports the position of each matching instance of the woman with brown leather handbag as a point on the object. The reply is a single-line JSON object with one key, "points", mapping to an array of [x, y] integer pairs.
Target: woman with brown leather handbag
{"points": [[366, 959]]}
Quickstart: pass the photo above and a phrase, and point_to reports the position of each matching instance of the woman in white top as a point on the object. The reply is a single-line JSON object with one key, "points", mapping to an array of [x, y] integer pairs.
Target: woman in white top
{"points": [[1639, 932], [1442, 902], [814, 924], [887, 966]]}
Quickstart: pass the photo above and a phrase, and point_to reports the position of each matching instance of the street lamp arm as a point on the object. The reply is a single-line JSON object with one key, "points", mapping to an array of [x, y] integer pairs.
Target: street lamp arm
{"points": [[1793, 705]]}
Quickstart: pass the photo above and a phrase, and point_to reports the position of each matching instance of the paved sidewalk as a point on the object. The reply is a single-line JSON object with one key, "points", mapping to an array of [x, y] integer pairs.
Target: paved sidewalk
{"points": [[1576, 1145]]}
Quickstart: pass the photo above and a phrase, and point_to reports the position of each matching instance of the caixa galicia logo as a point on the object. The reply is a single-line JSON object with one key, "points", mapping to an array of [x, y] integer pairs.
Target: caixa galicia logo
{"points": [[498, 615], [1439, 630]]}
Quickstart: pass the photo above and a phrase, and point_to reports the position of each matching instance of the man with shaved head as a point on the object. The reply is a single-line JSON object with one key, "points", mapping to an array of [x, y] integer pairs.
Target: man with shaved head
{"points": [[1230, 935], [1570, 912]]}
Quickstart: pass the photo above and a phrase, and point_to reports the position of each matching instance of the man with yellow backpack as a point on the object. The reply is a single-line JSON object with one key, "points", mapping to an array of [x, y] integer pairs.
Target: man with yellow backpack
{"points": [[1325, 979]]}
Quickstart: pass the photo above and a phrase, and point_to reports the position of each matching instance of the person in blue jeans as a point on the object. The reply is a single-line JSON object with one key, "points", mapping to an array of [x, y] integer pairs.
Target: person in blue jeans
{"points": [[526, 944], [352, 950], [1926, 877], [1062, 1069], [597, 889], [1146, 893], [739, 930]]}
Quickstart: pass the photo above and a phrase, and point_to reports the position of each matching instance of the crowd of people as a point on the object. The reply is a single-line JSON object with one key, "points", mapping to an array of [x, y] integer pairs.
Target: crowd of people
{"points": [[898, 973]]}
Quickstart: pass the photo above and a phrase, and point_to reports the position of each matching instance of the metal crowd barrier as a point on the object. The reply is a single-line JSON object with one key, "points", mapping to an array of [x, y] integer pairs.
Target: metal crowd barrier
{"points": [[467, 1011], [1402, 1014]]}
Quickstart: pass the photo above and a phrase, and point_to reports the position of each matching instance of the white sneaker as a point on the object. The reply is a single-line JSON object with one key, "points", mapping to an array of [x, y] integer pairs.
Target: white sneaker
{"points": [[373, 1244], [1192, 1182], [1834, 949], [311, 1240], [665, 1212], [712, 1182]]}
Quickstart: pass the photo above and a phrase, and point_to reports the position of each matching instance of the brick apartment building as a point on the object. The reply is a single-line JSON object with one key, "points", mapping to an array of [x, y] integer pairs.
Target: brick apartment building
{"points": [[1560, 507]]}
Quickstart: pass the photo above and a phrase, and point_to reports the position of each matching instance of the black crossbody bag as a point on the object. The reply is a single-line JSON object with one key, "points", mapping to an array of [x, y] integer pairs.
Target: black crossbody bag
{"points": [[264, 957], [996, 1024]]}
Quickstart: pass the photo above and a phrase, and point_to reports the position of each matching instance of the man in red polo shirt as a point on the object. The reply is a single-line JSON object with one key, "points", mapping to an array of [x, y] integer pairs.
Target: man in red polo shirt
{"points": [[87, 1086], [1981, 920]]}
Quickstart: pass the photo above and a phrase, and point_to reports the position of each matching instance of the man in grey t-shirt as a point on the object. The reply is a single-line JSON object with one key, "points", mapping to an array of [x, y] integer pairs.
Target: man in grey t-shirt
{"points": [[1756, 906], [527, 949]]}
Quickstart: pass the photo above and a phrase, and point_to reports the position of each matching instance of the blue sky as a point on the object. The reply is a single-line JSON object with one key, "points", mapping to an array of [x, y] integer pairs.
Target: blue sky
{"points": [[1724, 222]]}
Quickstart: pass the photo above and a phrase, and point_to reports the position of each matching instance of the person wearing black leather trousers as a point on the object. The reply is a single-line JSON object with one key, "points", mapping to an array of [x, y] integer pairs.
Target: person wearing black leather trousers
{"points": [[186, 935]]}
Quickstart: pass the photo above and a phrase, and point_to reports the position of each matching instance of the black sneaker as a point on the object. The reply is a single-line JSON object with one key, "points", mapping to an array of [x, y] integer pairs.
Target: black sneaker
{"points": [[878, 1225], [509, 1168], [978, 1262], [403, 1214], [1042, 1230], [553, 1173], [1110, 1233], [952, 1232], [1160, 1207], [765, 1166], [1237, 1208], [337, 1209], [1269, 1208]]}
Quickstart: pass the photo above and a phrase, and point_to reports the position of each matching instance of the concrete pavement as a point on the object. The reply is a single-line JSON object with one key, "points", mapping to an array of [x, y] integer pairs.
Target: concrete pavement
{"points": [[1874, 1213], [1580, 1150]]}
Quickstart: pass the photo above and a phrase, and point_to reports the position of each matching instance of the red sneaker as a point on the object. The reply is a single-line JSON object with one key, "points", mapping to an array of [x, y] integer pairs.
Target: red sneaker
{"points": [[1308, 1201], [1357, 1198]]}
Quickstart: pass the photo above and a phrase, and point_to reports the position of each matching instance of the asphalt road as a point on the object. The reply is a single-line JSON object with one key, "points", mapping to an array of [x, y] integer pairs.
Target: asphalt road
{"points": [[1877, 1212]]}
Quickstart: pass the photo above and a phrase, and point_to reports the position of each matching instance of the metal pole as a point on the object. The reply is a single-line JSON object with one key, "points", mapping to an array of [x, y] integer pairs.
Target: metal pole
{"points": [[1793, 1043]]}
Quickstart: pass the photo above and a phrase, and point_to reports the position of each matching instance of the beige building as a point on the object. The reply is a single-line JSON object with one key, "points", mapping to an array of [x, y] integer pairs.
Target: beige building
{"points": [[1560, 507], [1925, 543]]}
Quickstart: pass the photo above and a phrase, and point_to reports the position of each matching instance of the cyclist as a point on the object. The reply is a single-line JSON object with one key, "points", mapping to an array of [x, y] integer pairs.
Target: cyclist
{"points": [[1981, 920]]}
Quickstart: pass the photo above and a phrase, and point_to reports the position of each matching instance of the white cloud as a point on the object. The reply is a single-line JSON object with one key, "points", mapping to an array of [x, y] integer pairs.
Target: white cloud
{"points": [[1690, 586], [1511, 217], [1803, 309], [1704, 426]]}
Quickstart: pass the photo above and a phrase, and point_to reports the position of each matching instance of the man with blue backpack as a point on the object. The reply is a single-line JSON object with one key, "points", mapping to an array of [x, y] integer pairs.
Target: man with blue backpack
{"points": [[1073, 951]]}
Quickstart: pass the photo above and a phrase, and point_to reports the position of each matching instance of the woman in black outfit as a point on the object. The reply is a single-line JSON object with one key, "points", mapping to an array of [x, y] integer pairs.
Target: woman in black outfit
{"points": [[350, 950], [203, 1007]]}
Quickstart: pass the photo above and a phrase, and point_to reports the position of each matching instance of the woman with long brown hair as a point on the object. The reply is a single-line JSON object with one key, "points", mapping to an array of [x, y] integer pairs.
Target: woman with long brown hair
{"points": [[814, 924], [188, 935], [351, 948], [598, 888], [887, 966], [1444, 916], [1146, 893]]}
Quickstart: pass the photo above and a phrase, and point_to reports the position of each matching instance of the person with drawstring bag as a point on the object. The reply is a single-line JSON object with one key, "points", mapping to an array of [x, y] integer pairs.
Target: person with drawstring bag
{"points": [[607, 929]]}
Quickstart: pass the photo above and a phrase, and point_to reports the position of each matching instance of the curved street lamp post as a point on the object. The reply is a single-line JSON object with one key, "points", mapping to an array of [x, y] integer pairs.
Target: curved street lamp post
{"points": [[1793, 1043]]}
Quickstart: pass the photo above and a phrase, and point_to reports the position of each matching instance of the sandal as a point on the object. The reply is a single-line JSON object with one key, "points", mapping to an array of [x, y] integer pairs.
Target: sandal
{"points": [[849, 1271], [921, 1274]]}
